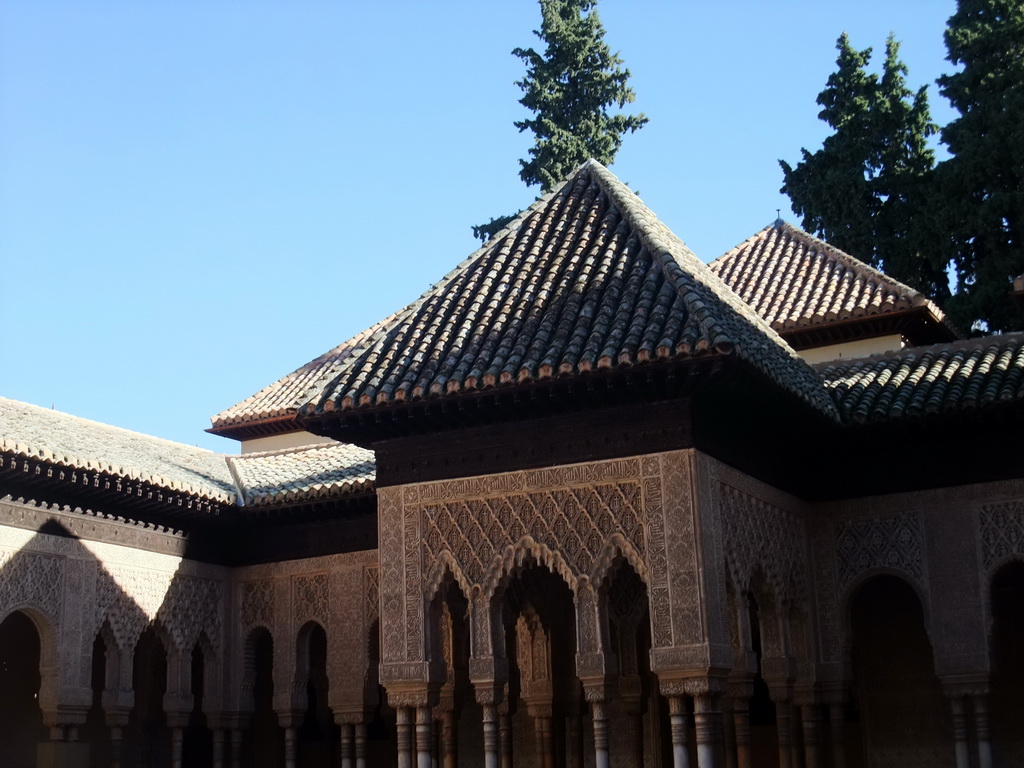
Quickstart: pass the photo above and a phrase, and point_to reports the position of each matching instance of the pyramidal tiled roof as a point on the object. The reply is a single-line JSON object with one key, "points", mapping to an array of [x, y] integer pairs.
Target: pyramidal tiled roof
{"points": [[586, 278], [922, 381], [273, 477], [795, 281], [283, 398]]}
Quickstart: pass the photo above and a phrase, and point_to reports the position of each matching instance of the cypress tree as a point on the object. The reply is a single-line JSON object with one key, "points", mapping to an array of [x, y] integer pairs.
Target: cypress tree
{"points": [[983, 180], [574, 90], [866, 190]]}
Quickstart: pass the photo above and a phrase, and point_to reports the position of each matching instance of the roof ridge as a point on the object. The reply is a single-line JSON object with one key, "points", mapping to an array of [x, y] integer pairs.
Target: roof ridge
{"points": [[395, 320], [677, 261]]}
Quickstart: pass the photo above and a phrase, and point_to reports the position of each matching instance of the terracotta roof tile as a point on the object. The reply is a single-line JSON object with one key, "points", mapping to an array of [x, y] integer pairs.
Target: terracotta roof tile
{"points": [[922, 381], [795, 281], [585, 278], [274, 477], [69, 441], [284, 397], [303, 474]]}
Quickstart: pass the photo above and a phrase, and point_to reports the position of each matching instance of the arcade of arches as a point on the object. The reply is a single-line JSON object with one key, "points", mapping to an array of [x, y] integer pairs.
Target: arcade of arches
{"points": [[658, 610]]}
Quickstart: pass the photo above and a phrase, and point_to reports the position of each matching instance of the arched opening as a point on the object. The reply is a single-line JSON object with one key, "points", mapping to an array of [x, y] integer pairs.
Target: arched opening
{"points": [[148, 741], [264, 743], [456, 715], [899, 707], [635, 714], [95, 731], [764, 733], [547, 717], [317, 732], [380, 730], [1007, 679], [197, 747], [21, 720]]}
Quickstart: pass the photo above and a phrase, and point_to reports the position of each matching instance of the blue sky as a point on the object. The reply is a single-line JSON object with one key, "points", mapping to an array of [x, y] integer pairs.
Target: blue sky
{"points": [[198, 197]]}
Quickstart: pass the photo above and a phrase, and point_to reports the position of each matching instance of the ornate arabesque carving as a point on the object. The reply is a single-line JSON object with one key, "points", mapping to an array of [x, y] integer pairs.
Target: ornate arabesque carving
{"points": [[130, 598], [311, 599], [27, 578], [893, 542], [257, 603], [371, 588], [574, 519], [762, 539], [1002, 532]]}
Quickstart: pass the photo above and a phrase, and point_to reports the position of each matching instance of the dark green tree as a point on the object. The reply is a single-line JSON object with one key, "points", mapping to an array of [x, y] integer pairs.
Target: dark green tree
{"points": [[574, 90], [983, 180], [867, 189]]}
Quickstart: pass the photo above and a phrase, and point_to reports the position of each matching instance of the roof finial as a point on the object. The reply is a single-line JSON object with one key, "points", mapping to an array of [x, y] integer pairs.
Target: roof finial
{"points": [[778, 218]]}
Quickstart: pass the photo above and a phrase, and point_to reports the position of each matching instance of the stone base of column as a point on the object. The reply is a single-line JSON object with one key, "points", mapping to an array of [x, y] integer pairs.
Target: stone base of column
{"points": [[62, 754]]}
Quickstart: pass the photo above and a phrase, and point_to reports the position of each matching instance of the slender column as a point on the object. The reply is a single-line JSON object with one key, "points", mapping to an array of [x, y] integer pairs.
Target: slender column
{"points": [[680, 731], [837, 733], [957, 705], [542, 741], [490, 718], [729, 728], [449, 741], [574, 737], [116, 737], [403, 732], [812, 735], [505, 739], [706, 720], [290, 747], [784, 728], [435, 743], [424, 736], [218, 747], [741, 728], [600, 716], [236, 748], [347, 738], [979, 704], [177, 737], [359, 747]]}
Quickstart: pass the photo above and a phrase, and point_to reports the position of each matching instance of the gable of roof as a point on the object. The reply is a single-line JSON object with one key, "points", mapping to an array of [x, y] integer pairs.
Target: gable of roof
{"points": [[273, 408], [942, 379], [587, 278], [797, 282]]}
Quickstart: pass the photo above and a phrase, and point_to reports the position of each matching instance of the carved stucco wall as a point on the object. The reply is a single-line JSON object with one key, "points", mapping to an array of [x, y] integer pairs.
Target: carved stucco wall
{"points": [[73, 587], [338, 592], [946, 543], [575, 519], [760, 545]]}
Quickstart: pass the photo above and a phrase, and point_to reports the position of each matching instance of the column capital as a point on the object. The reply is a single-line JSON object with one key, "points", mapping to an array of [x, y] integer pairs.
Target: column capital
{"points": [[955, 686], [411, 695]]}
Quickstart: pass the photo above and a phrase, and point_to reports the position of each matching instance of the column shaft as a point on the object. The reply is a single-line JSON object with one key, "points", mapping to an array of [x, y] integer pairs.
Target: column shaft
{"points": [[236, 748], [403, 733], [490, 722], [706, 720], [347, 738], [837, 729], [680, 731], [505, 739], [959, 709], [359, 747], [177, 737], [600, 716], [218, 747], [981, 730], [741, 728], [784, 728], [424, 737], [449, 741], [290, 747]]}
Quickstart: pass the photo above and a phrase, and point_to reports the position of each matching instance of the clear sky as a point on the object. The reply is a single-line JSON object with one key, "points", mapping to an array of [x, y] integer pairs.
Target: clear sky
{"points": [[199, 196]]}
